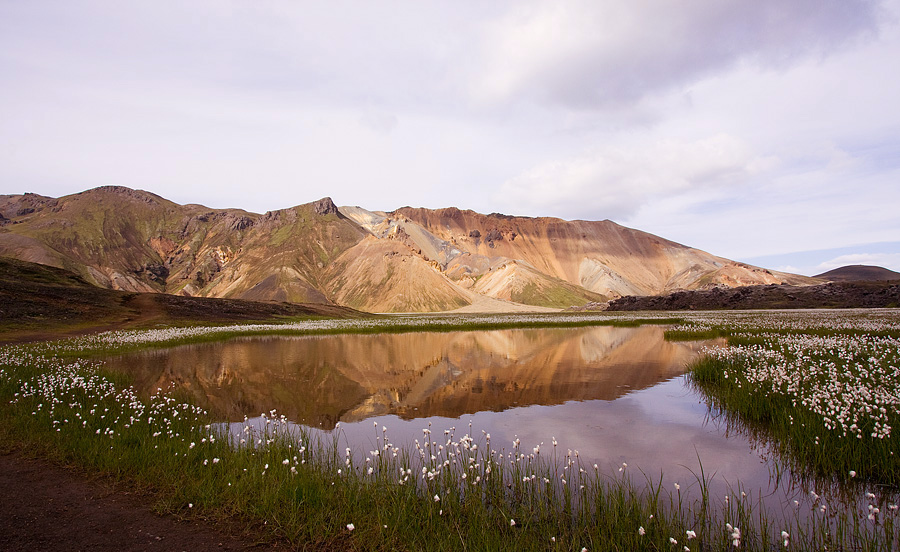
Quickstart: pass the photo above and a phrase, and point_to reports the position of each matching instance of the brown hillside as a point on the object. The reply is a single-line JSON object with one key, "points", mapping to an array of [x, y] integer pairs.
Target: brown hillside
{"points": [[602, 257], [40, 302], [411, 260]]}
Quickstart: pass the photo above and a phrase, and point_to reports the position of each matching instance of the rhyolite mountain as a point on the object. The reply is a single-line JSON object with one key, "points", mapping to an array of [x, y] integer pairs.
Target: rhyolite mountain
{"points": [[408, 260]]}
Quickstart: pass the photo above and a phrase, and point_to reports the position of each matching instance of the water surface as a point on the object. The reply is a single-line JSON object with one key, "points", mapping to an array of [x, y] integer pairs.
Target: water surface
{"points": [[320, 380], [616, 395]]}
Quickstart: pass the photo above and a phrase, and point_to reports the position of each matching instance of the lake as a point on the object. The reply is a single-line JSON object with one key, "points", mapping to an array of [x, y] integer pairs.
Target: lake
{"points": [[616, 395]]}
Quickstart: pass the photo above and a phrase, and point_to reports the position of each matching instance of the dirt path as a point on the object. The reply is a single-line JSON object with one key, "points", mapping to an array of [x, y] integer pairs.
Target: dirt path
{"points": [[46, 507]]}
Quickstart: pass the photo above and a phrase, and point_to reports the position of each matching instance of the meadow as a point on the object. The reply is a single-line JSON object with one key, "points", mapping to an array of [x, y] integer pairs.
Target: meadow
{"points": [[820, 386]]}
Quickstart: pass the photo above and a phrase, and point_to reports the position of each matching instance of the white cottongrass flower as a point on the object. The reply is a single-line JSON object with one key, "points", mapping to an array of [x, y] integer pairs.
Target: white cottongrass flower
{"points": [[641, 531], [350, 527]]}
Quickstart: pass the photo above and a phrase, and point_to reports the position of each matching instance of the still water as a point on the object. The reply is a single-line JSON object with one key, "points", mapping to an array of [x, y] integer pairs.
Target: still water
{"points": [[616, 395]]}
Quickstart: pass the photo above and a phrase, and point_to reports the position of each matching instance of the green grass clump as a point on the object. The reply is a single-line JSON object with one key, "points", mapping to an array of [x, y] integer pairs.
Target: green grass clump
{"points": [[829, 404]]}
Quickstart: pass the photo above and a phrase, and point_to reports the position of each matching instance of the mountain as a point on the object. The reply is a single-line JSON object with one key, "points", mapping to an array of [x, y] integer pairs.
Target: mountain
{"points": [[409, 260], [859, 273]]}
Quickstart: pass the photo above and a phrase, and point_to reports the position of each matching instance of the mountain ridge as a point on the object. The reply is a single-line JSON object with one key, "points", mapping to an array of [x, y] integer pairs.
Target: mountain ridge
{"points": [[407, 260]]}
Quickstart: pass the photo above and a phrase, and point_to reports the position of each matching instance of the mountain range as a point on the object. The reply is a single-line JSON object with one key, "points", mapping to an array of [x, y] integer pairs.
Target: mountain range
{"points": [[407, 260]]}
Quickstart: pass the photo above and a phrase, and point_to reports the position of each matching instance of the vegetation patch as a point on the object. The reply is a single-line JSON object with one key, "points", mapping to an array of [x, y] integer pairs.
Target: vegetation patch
{"points": [[458, 489], [827, 397]]}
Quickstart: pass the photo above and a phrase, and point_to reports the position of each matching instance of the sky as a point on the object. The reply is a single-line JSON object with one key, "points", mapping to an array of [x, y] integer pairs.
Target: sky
{"points": [[764, 131]]}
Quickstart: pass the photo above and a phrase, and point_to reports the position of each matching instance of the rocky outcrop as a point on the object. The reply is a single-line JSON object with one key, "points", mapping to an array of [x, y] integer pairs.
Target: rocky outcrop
{"points": [[325, 207]]}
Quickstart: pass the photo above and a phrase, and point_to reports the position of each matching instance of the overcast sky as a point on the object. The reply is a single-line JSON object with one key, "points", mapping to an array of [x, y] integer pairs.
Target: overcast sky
{"points": [[765, 131]]}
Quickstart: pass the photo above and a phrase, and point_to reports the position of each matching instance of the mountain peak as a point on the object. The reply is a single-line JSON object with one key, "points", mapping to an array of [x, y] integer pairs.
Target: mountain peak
{"points": [[325, 207]]}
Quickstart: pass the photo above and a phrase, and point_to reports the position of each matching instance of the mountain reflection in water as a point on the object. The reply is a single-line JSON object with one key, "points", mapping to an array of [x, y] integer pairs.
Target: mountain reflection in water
{"points": [[320, 380]]}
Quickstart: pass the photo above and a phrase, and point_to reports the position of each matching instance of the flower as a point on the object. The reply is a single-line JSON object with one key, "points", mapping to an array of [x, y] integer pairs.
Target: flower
{"points": [[350, 527], [691, 534], [641, 531], [512, 523]]}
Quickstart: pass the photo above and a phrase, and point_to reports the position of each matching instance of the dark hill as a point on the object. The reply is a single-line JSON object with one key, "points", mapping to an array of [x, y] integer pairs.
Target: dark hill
{"points": [[859, 273], [836, 295], [41, 302]]}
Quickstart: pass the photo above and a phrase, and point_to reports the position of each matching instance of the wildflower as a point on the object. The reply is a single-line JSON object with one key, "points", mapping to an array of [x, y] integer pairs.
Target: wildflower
{"points": [[691, 534], [641, 531], [852, 473], [438, 499], [512, 523], [672, 540], [786, 538], [350, 527]]}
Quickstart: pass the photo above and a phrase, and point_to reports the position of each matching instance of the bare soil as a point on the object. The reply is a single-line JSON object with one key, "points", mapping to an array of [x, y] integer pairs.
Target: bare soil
{"points": [[49, 507]]}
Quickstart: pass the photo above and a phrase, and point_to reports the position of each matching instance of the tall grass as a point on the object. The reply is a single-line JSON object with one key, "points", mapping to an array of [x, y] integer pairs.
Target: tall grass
{"points": [[828, 403]]}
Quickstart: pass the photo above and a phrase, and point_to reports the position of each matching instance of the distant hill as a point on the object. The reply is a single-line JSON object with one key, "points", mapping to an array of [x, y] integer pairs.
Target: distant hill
{"points": [[859, 273], [832, 295], [409, 260]]}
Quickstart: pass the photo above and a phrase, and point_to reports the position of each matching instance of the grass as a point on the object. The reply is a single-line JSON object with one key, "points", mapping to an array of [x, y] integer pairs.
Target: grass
{"points": [[826, 398], [124, 341], [453, 491]]}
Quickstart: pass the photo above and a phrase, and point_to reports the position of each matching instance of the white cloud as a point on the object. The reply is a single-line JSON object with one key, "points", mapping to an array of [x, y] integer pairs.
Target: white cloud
{"points": [[583, 53], [616, 182]]}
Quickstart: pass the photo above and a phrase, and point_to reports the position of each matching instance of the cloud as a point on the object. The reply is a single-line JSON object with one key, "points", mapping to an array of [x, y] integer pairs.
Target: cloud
{"points": [[615, 182], [379, 121], [588, 54]]}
